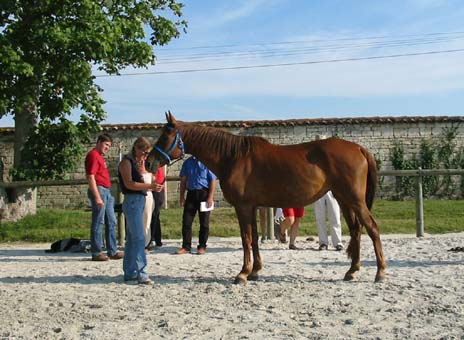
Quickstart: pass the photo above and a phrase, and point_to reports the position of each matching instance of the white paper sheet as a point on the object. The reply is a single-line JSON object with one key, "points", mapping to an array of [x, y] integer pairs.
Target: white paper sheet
{"points": [[204, 206]]}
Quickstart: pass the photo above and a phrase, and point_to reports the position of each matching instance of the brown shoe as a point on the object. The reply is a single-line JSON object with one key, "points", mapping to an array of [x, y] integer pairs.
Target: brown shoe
{"points": [[119, 255], [182, 251], [100, 258], [201, 251]]}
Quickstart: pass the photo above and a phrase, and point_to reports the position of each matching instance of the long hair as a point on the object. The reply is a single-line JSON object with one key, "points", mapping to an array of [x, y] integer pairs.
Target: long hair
{"points": [[140, 143]]}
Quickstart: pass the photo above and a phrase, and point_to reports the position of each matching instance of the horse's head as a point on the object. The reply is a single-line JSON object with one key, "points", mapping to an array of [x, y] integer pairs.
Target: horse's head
{"points": [[169, 146]]}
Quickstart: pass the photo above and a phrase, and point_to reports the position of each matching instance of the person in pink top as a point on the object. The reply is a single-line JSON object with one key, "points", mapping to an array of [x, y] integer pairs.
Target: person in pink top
{"points": [[156, 234], [102, 202]]}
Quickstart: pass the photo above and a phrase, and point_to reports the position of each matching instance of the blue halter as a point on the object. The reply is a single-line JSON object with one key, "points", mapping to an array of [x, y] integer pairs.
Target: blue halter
{"points": [[177, 141]]}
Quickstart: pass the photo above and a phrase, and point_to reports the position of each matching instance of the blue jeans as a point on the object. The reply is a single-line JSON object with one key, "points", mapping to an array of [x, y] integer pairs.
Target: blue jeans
{"points": [[103, 216], [135, 260]]}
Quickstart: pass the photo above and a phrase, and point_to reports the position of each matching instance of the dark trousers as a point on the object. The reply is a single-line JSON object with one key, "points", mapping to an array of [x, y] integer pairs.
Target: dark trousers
{"points": [[191, 206], [155, 225]]}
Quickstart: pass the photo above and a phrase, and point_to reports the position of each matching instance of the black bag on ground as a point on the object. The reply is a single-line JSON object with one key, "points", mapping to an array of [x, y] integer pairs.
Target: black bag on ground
{"points": [[74, 245]]}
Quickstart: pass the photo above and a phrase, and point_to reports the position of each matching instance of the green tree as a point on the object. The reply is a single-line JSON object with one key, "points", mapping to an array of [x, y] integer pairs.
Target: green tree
{"points": [[48, 49]]}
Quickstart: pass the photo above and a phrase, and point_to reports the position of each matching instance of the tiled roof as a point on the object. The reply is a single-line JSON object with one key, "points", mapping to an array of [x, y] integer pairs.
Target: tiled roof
{"points": [[287, 122]]}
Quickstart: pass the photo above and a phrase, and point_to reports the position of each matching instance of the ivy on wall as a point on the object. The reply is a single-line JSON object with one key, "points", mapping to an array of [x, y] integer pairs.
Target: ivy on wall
{"points": [[445, 155]]}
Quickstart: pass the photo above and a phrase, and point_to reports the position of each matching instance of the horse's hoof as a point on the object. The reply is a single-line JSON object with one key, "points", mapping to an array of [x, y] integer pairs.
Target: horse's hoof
{"points": [[379, 279], [253, 277], [240, 281], [348, 277]]}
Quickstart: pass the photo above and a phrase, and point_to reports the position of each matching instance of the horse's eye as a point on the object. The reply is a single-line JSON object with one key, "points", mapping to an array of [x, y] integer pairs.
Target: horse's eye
{"points": [[162, 141]]}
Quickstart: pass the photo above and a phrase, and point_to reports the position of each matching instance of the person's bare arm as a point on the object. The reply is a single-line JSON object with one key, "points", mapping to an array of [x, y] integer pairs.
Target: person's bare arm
{"points": [[94, 190], [183, 185], [212, 188], [126, 175]]}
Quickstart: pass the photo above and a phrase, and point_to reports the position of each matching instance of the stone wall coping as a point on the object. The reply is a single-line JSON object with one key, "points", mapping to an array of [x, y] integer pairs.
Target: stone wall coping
{"points": [[4, 131]]}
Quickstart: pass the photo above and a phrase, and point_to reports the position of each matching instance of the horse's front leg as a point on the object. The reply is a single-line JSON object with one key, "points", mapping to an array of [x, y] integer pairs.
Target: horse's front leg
{"points": [[257, 263], [244, 219], [242, 277]]}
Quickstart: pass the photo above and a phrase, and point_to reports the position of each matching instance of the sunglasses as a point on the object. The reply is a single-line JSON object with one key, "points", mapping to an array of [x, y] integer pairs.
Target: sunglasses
{"points": [[144, 152]]}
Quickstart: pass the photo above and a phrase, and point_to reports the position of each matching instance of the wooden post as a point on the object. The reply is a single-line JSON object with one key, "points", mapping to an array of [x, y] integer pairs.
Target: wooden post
{"points": [[121, 219], [165, 205], [419, 206], [270, 223]]}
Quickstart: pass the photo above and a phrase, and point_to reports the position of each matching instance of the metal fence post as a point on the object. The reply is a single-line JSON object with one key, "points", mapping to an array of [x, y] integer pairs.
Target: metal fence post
{"points": [[419, 206]]}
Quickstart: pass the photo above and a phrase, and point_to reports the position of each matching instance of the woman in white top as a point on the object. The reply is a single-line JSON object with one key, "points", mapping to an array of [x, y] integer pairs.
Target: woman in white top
{"points": [[148, 177]]}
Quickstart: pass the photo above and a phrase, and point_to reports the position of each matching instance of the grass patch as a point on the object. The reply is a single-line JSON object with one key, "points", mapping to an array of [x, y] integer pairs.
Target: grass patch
{"points": [[47, 225], [392, 217]]}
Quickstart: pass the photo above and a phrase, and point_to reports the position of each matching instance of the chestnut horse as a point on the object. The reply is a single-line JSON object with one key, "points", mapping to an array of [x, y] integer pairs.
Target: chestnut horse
{"points": [[254, 172]]}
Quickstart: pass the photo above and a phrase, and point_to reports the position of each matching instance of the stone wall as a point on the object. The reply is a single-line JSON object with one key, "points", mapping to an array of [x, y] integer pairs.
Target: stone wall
{"points": [[25, 204], [377, 134]]}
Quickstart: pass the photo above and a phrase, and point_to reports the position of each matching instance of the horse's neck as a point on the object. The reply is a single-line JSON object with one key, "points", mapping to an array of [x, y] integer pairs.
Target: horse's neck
{"points": [[205, 152]]}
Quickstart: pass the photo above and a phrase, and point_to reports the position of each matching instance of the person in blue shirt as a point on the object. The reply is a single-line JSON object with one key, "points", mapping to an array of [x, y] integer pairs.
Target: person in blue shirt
{"points": [[200, 183]]}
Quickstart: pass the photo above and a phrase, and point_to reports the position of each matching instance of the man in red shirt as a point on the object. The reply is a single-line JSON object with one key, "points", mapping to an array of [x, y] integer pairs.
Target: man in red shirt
{"points": [[102, 202]]}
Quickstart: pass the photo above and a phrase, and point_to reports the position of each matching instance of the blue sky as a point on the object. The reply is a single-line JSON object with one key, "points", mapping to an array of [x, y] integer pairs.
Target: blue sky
{"points": [[313, 37]]}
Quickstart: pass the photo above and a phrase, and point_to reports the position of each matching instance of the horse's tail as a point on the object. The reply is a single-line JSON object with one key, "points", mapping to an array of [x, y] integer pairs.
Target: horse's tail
{"points": [[372, 173]]}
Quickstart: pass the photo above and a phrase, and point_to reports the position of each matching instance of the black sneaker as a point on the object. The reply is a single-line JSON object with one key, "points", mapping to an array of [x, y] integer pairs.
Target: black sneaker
{"points": [[323, 246]]}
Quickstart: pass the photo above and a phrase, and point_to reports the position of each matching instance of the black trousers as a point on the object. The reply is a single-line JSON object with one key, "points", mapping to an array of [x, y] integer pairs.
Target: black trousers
{"points": [[155, 225], [191, 207]]}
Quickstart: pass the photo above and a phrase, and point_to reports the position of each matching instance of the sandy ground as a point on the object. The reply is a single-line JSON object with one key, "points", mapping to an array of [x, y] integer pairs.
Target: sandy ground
{"points": [[300, 294]]}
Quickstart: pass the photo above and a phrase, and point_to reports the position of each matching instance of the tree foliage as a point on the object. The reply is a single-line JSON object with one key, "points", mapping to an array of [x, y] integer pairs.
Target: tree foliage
{"points": [[48, 50]]}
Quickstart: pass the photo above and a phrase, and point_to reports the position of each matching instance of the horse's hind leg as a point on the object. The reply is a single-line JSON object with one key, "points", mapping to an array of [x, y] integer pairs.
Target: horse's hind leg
{"points": [[374, 234], [368, 221], [354, 246]]}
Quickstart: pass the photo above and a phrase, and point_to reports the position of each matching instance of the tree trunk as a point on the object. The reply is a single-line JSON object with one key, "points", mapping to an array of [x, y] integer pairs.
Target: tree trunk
{"points": [[25, 120]]}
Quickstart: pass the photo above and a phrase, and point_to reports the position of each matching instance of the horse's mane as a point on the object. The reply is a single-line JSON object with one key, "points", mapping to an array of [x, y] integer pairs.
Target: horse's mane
{"points": [[220, 141]]}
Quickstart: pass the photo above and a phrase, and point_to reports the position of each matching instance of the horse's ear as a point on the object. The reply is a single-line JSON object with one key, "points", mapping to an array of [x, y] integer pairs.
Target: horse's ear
{"points": [[170, 119]]}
